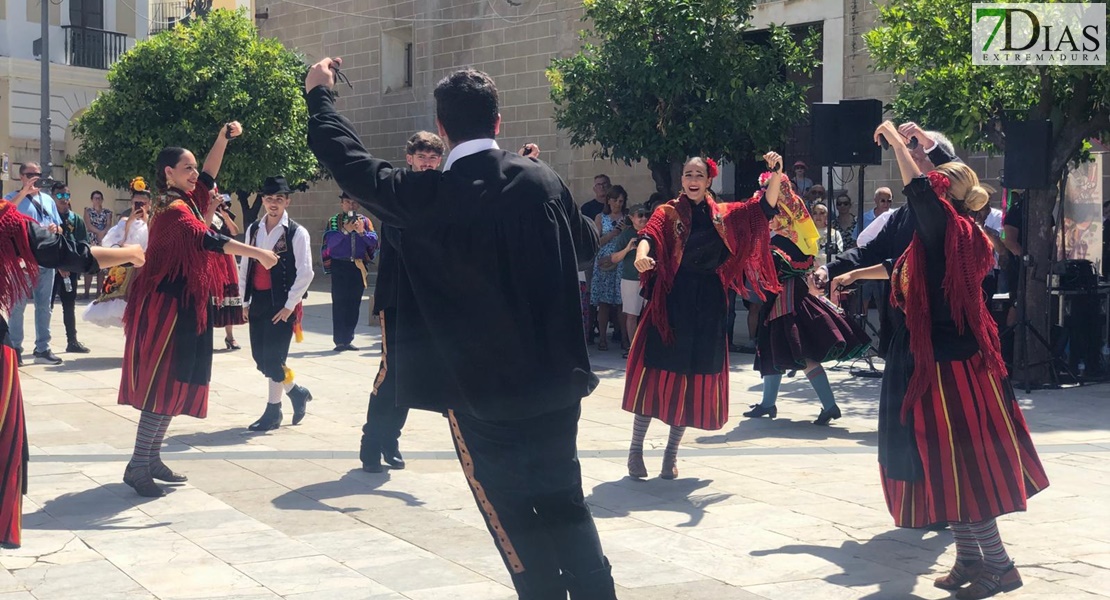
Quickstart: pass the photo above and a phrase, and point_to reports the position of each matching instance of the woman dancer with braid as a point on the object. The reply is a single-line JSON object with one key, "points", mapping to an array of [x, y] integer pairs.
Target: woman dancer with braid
{"points": [[689, 253], [167, 357], [953, 445]]}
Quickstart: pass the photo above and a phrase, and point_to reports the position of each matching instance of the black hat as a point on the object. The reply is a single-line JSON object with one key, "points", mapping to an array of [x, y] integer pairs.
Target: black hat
{"points": [[344, 195], [275, 185]]}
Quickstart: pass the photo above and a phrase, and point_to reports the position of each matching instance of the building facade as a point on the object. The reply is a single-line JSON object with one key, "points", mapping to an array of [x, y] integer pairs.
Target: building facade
{"points": [[86, 38]]}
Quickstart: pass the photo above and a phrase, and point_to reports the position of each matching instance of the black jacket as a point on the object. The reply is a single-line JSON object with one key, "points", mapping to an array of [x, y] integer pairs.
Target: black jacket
{"points": [[489, 321]]}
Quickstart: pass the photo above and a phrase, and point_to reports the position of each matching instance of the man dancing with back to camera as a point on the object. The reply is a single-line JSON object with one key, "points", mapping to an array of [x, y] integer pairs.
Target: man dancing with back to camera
{"points": [[489, 295]]}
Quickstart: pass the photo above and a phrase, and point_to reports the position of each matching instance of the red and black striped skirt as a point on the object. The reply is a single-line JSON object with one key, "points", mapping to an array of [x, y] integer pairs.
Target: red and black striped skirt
{"points": [[13, 445], [978, 457], [683, 383], [167, 364]]}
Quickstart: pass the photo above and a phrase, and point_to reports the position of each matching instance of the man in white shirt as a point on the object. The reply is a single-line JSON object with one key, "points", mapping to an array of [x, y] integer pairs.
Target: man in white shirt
{"points": [[274, 297], [30, 200]]}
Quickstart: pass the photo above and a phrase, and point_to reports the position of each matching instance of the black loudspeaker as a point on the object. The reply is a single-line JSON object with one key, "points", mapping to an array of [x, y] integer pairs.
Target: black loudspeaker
{"points": [[825, 134], [843, 133], [858, 121], [1028, 153]]}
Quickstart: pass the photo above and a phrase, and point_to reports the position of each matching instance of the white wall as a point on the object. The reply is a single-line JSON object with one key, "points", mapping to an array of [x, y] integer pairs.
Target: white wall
{"points": [[830, 13]]}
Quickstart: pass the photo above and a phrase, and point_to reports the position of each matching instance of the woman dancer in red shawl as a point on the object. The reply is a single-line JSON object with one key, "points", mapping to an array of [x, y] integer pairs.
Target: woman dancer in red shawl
{"points": [[953, 445], [167, 356], [24, 246], [690, 251]]}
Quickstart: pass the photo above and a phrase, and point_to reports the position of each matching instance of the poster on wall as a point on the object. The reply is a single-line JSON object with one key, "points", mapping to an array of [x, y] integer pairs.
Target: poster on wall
{"points": [[1081, 236]]}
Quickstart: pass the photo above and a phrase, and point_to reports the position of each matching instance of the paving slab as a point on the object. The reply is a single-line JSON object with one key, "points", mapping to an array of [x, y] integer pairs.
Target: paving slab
{"points": [[763, 508]]}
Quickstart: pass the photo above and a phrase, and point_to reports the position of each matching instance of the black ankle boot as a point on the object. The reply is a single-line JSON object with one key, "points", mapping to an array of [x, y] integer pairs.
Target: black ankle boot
{"points": [[139, 479], [271, 419], [757, 411], [299, 396], [392, 456], [827, 414], [159, 471]]}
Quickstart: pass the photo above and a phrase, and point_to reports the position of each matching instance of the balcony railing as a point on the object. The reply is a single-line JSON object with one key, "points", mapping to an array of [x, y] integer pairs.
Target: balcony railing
{"points": [[93, 48], [164, 15]]}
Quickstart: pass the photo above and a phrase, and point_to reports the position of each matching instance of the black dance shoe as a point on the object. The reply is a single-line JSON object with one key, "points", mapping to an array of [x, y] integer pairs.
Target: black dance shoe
{"points": [[159, 471], [271, 419], [758, 411], [299, 396], [392, 457], [373, 467], [140, 480], [827, 414], [77, 347]]}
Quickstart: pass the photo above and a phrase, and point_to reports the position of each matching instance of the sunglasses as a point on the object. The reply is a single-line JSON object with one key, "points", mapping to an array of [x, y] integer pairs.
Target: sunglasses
{"points": [[62, 196], [32, 174]]}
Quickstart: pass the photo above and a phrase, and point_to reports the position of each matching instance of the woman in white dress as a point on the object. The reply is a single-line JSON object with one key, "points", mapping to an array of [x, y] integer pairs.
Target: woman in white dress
{"points": [[107, 309]]}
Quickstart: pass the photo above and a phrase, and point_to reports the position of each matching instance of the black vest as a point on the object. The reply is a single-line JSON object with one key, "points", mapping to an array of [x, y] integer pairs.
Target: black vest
{"points": [[284, 272]]}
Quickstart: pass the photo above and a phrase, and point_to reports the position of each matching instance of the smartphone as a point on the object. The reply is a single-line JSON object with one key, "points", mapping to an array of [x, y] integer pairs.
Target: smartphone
{"points": [[45, 182]]}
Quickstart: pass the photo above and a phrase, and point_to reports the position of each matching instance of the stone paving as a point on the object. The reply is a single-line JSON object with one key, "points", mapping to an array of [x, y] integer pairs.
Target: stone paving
{"points": [[762, 509]]}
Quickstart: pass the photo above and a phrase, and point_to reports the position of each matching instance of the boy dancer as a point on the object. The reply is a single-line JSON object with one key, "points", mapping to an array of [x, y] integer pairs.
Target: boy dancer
{"points": [[274, 297], [384, 419]]}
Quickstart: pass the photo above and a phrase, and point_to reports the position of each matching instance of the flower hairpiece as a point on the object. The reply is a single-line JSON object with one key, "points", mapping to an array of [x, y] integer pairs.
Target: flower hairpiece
{"points": [[711, 168], [940, 184], [138, 184], [766, 176]]}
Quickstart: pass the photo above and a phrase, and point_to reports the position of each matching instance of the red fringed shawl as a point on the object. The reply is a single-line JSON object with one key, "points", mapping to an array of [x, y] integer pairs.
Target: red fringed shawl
{"points": [[968, 259], [18, 268], [175, 251], [742, 226]]}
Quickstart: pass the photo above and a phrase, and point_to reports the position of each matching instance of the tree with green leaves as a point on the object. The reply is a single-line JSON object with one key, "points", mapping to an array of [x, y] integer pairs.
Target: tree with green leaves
{"points": [[926, 45], [177, 87], [661, 80]]}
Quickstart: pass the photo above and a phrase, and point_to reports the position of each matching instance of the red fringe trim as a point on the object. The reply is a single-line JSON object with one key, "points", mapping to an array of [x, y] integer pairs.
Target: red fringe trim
{"points": [[968, 259], [18, 267], [744, 230], [175, 251]]}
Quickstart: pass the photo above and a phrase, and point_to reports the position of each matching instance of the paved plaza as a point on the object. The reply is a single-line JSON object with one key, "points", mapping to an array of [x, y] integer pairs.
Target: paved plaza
{"points": [[776, 509]]}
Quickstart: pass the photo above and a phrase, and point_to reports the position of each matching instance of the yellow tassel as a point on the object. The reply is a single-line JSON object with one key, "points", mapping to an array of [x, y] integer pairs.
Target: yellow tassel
{"points": [[288, 374], [298, 332]]}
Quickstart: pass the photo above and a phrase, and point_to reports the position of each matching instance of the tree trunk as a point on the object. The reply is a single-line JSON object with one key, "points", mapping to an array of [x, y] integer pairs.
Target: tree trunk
{"points": [[663, 173], [1039, 242], [250, 213]]}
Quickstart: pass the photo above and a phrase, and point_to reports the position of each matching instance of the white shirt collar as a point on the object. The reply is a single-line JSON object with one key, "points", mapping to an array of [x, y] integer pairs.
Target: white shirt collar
{"points": [[469, 147], [262, 222]]}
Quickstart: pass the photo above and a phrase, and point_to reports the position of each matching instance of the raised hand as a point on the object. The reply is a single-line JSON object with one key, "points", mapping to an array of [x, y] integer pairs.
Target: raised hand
{"points": [[774, 161], [322, 74], [233, 130], [888, 132]]}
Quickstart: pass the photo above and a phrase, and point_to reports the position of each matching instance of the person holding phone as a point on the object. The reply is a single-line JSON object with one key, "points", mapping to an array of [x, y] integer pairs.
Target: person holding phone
{"points": [[349, 246], [33, 202], [108, 307]]}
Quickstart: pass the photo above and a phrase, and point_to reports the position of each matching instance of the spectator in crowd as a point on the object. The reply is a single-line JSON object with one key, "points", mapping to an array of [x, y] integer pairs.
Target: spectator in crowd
{"points": [[845, 221], [65, 283], [349, 246], [656, 199], [816, 193], [605, 293], [827, 243], [97, 220], [596, 206], [31, 201], [799, 181], [883, 198], [631, 300]]}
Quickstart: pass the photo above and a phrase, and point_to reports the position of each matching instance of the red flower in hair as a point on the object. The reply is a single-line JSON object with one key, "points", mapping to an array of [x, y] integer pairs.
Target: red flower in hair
{"points": [[711, 167], [940, 184]]}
